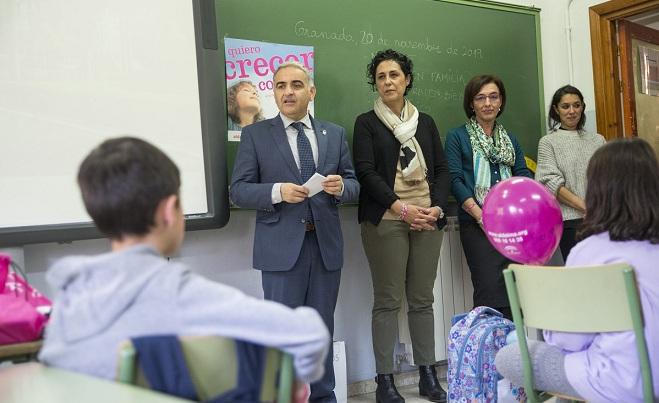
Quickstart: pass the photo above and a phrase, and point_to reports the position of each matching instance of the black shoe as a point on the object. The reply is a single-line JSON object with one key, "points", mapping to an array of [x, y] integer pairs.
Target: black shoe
{"points": [[429, 386], [386, 391]]}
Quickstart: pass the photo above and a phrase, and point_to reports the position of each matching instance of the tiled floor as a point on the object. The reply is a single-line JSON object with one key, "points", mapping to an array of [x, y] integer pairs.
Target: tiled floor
{"points": [[410, 393]]}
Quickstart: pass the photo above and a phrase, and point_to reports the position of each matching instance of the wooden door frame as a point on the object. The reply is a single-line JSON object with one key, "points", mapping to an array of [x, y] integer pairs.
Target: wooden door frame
{"points": [[627, 31], [605, 60]]}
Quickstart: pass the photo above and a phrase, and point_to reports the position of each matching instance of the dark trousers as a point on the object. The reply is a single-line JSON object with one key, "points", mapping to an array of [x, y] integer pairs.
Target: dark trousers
{"points": [[568, 239], [486, 266], [308, 283]]}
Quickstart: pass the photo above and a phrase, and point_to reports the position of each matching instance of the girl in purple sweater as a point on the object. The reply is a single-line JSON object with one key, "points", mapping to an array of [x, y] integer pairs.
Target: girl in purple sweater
{"points": [[621, 225]]}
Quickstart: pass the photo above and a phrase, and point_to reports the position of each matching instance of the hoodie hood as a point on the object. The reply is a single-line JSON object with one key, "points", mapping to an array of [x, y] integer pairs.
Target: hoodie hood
{"points": [[92, 292]]}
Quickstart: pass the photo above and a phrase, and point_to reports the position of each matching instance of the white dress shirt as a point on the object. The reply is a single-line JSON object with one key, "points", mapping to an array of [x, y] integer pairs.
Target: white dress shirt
{"points": [[291, 134]]}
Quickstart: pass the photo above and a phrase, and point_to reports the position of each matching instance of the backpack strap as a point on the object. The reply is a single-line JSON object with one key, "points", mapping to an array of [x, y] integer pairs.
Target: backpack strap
{"points": [[251, 366], [478, 313], [163, 364]]}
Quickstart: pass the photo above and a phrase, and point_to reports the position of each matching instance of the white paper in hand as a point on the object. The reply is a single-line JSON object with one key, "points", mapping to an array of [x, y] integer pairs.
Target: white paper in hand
{"points": [[314, 184]]}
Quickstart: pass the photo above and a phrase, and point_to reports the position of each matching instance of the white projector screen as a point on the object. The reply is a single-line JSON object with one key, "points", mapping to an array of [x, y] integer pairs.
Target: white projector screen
{"points": [[76, 72]]}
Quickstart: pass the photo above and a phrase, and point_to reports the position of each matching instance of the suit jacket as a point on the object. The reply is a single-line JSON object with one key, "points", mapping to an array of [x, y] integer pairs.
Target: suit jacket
{"points": [[264, 158], [376, 160]]}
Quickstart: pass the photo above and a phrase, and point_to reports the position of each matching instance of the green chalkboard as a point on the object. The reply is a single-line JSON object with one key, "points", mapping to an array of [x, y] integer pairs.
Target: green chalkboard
{"points": [[448, 41]]}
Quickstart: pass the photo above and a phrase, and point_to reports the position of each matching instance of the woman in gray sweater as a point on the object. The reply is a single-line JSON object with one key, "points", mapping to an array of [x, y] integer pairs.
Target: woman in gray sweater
{"points": [[563, 157]]}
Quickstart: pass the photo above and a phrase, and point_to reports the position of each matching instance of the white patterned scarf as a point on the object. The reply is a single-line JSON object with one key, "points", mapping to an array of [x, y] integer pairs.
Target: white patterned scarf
{"points": [[404, 128], [497, 149]]}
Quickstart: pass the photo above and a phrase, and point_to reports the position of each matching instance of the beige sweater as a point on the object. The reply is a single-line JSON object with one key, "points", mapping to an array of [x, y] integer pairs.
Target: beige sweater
{"points": [[416, 193], [563, 157]]}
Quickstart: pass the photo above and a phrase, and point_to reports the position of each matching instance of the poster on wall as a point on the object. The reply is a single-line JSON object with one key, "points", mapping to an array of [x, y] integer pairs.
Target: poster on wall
{"points": [[649, 64], [249, 66]]}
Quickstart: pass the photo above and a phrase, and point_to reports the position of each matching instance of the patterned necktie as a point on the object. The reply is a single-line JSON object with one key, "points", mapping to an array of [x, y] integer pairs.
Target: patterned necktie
{"points": [[307, 165]]}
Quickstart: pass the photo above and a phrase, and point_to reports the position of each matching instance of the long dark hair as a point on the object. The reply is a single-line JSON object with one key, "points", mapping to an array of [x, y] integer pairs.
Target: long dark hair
{"points": [[554, 119], [623, 192]]}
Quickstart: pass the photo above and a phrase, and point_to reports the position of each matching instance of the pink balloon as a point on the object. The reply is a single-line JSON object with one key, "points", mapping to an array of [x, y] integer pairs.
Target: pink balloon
{"points": [[522, 220]]}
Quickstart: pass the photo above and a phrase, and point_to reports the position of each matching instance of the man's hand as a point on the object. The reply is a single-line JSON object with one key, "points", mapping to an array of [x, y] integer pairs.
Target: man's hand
{"points": [[292, 193], [333, 185]]}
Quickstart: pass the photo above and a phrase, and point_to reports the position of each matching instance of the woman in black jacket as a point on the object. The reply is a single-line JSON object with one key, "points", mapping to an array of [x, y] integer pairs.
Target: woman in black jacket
{"points": [[404, 179]]}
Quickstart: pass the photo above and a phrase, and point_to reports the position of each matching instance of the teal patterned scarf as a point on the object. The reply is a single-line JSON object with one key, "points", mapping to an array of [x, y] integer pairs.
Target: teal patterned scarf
{"points": [[497, 149]]}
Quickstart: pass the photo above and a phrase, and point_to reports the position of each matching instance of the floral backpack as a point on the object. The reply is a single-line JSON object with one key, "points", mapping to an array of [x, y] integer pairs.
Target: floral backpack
{"points": [[474, 340]]}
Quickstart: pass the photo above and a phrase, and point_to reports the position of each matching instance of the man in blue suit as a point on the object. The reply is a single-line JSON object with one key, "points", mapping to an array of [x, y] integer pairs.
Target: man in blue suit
{"points": [[298, 244]]}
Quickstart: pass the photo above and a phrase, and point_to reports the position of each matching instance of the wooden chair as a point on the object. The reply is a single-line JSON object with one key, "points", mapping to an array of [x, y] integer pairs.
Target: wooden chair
{"points": [[589, 299], [20, 352], [213, 366]]}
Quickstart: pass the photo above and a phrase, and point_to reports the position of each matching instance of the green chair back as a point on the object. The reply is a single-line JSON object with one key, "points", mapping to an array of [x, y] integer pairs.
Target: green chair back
{"points": [[589, 299], [213, 366]]}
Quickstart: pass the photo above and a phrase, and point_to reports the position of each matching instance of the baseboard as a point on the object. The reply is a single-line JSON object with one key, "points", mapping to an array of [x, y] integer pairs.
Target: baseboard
{"points": [[402, 379]]}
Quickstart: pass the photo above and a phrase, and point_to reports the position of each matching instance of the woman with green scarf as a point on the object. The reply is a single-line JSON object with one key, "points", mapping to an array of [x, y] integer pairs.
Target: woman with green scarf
{"points": [[481, 153]]}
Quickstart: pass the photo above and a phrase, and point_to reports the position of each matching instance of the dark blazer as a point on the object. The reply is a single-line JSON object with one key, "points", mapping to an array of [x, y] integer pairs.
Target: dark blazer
{"points": [[264, 158], [376, 153]]}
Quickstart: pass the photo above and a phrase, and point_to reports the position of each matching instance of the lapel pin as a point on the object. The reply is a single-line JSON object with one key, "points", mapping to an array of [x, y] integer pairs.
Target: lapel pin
{"points": [[324, 132]]}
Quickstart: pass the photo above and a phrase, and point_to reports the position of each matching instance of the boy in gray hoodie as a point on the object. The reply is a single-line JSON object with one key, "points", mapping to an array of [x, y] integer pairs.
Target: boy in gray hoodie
{"points": [[131, 190]]}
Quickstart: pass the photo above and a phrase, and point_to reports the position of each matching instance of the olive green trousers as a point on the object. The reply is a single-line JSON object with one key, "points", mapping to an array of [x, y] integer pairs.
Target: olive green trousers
{"points": [[402, 262]]}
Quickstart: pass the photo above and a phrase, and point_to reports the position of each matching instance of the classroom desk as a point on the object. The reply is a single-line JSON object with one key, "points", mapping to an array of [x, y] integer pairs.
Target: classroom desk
{"points": [[19, 351], [36, 383]]}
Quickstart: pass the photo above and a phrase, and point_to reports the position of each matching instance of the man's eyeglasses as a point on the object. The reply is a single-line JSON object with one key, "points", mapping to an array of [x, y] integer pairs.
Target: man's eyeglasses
{"points": [[482, 98]]}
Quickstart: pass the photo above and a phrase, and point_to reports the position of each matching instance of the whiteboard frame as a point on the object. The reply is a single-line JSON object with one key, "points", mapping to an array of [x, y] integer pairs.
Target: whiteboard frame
{"points": [[213, 124]]}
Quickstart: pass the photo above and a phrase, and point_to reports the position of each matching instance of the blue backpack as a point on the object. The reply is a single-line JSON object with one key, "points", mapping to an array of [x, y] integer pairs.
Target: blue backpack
{"points": [[474, 340]]}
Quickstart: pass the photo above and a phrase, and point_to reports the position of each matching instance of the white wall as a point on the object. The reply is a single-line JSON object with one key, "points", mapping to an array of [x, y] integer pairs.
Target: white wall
{"points": [[225, 254], [566, 50]]}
